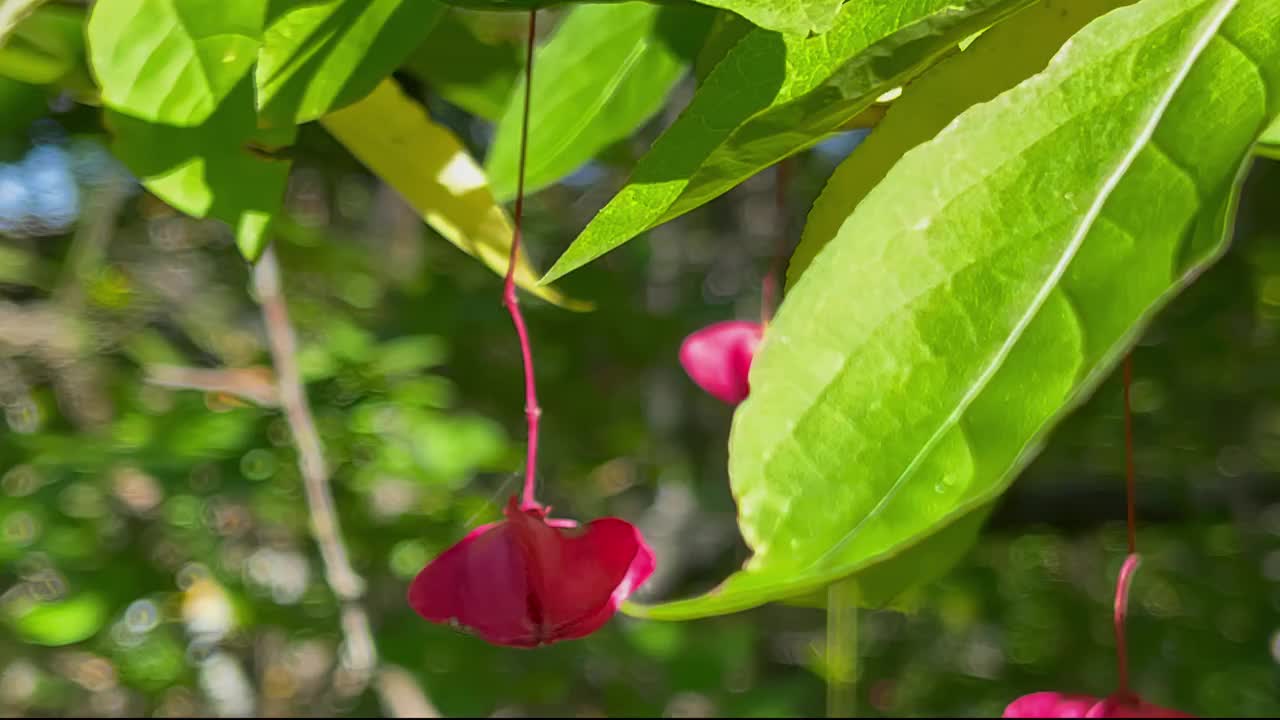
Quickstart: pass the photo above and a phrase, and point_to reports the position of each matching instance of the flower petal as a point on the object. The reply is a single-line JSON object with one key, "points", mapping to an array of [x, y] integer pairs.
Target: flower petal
{"points": [[481, 584], [1050, 705], [718, 358]]}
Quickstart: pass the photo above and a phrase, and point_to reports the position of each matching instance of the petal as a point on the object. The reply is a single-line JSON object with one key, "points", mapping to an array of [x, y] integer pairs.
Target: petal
{"points": [[1050, 705], [480, 583], [718, 358], [578, 577]]}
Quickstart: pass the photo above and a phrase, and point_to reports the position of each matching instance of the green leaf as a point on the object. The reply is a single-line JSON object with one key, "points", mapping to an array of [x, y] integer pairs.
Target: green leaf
{"points": [[470, 68], [59, 623], [1269, 143], [986, 286], [726, 30], [393, 136], [607, 70], [788, 16], [798, 17], [319, 56], [773, 96], [172, 61], [226, 168], [46, 46], [12, 13], [1000, 58]]}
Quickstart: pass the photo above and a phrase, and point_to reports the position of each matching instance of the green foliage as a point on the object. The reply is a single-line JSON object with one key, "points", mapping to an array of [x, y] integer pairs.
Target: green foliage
{"points": [[469, 64], [318, 57], [800, 89], [606, 71], [1016, 280], [788, 16], [173, 62]]}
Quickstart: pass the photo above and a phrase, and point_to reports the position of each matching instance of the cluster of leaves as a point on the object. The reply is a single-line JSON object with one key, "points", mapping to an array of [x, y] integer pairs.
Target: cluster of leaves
{"points": [[1043, 176]]}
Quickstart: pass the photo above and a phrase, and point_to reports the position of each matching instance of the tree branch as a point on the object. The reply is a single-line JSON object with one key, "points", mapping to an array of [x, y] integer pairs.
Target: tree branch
{"points": [[361, 654]]}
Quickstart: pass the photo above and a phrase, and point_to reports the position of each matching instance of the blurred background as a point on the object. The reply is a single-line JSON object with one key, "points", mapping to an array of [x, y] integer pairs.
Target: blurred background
{"points": [[155, 557]]}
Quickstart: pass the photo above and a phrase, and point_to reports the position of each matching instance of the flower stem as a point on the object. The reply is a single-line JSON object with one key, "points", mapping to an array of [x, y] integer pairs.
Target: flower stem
{"points": [[842, 648], [769, 287], [1130, 473], [532, 411], [1131, 562]]}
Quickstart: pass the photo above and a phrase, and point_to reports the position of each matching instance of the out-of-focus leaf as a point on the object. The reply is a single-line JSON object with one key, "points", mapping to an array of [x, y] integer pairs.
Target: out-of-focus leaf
{"points": [[984, 287], [12, 12], [171, 61], [319, 56], [466, 67], [1000, 58], [59, 623], [225, 168], [393, 136], [46, 46], [800, 90], [607, 70]]}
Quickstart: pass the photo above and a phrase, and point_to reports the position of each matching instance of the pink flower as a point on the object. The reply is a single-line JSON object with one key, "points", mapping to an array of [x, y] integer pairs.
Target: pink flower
{"points": [[531, 580], [718, 358], [1059, 705]]}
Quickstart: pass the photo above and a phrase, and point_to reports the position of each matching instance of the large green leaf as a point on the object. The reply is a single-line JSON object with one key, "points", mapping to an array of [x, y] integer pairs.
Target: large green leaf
{"points": [[12, 13], [172, 61], [772, 96], [393, 136], [986, 286], [607, 70], [789, 16], [470, 68], [61, 622], [1000, 58], [319, 56], [223, 168]]}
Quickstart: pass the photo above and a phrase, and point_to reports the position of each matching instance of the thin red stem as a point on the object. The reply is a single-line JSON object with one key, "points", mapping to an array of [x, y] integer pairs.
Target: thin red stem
{"points": [[1130, 473], [769, 289], [532, 411], [1121, 607]]}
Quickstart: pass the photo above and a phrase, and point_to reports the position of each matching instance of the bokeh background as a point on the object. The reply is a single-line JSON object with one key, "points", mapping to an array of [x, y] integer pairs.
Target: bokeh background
{"points": [[155, 557]]}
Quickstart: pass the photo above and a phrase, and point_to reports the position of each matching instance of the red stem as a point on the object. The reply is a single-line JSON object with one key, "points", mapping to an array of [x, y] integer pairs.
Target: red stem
{"points": [[1131, 561], [531, 409], [769, 289], [1130, 473], [1121, 607]]}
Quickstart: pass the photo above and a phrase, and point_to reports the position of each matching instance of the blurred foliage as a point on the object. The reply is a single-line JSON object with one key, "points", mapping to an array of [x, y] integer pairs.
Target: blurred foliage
{"points": [[154, 550]]}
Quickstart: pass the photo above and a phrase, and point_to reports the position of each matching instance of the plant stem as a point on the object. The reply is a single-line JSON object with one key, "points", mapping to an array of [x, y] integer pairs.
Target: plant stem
{"points": [[532, 411], [842, 648], [1131, 562], [346, 584]]}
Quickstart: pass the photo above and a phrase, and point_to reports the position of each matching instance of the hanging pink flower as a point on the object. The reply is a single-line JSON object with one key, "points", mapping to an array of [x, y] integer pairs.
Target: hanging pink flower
{"points": [[531, 580], [1059, 705], [718, 358]]}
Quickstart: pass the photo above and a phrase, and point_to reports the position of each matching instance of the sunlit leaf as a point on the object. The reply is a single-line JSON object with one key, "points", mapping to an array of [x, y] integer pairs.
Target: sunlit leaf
{"points": [[1000, 58], [773, 96], [393, 136], [61, 622], [986, 285], [319, 56], [172, 61], [607, 70]]}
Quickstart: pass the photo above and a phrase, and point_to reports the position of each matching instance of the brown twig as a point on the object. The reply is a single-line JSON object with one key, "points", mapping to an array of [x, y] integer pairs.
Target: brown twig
{"points": [[346, 584]]}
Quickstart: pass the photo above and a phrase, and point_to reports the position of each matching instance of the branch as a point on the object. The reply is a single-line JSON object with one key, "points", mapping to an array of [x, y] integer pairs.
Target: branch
{"points": [[361, 652]]}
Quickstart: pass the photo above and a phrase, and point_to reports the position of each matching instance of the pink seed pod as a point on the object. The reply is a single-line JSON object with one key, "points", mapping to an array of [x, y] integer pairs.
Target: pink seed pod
{"points": [[718, 358], [531, 580]]}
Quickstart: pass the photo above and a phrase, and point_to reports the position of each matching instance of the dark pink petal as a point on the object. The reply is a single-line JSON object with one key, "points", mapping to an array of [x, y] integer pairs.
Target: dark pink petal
{"points": [[578, 577], [531, 580], [480, 583], [1050, 705], [718, 358]]}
